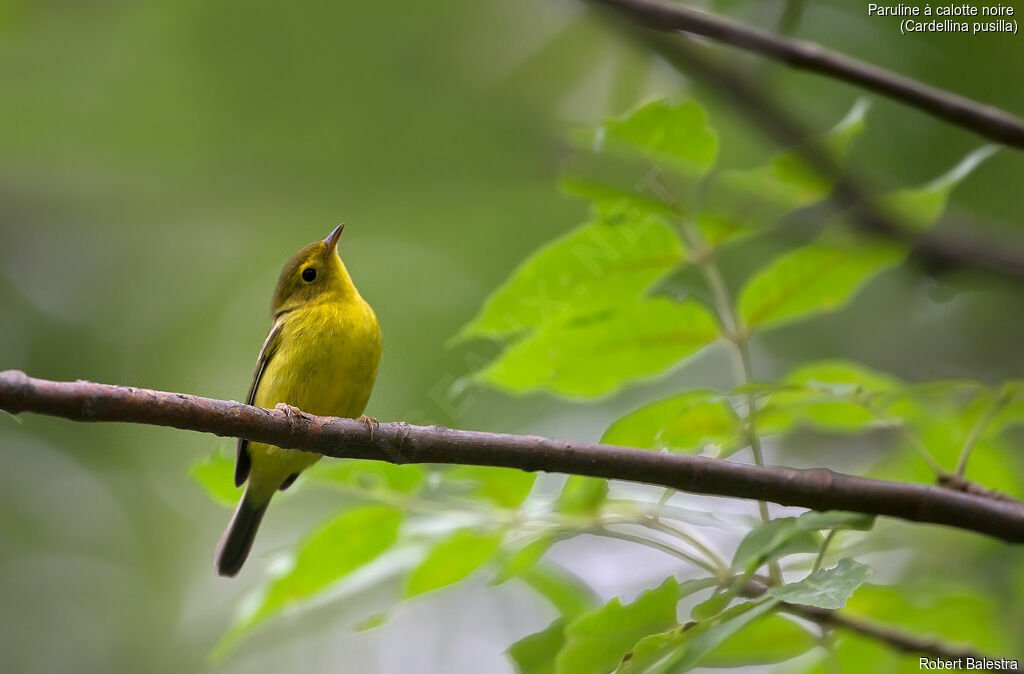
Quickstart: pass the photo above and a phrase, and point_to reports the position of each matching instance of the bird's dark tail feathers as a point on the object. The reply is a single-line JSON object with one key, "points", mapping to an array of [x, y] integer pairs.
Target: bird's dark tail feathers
{"points": [[236, 542]]}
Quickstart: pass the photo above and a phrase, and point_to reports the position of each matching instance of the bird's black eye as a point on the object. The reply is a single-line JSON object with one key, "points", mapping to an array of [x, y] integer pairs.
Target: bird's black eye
{"points": [[308, 274]]}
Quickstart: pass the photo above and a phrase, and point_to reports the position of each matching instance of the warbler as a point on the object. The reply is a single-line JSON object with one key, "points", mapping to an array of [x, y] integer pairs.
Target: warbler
{"points": [[321, 357]]}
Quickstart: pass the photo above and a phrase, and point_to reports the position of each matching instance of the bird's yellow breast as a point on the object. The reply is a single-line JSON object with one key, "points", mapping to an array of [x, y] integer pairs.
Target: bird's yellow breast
{"points": [[324, 363]]}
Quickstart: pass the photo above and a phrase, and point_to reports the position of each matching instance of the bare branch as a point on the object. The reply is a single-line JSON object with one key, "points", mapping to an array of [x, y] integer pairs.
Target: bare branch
{"points": [[819, 489], [985, 120], [894, 638], [935, 249], [899, 640]]}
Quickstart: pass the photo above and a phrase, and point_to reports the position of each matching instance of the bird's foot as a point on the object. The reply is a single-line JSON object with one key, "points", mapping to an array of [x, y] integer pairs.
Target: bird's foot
{"points": [[289, 410], [371, 423]]}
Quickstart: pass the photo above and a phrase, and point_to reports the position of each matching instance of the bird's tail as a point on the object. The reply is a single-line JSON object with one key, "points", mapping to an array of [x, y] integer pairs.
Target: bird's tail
{"points": [[234, 545]]}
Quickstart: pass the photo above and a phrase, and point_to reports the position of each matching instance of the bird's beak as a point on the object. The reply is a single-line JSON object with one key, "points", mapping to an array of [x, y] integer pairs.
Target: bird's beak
{"points": [[332, 239]]}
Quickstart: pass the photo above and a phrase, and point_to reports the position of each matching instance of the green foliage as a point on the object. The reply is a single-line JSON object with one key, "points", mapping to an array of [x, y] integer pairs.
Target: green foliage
{"points": [[595, 641], [505, 487], [676, 135], [215, 474], [828, 589], [745, 201], [920, 207], [608, 305], [591, 270], [772, 638], [816, 278], [771, 540], [591, 640], [536, 653], [524, 558], [683, 648], [582, 495], [596, 356], [687, 422], [835, 519], [566, 593], [451, 560], [338, 547], [957, 616], [368, 475]]}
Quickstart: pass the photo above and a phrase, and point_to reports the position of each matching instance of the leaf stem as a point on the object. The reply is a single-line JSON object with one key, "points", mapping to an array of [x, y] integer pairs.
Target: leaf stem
{"points": [[978, 430], [911, 439], [740, 339], [603, 531], [821, 554], [695, 542]]}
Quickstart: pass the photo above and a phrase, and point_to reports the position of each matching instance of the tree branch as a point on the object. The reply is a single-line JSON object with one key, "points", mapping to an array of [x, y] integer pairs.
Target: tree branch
{"points": [[901, 641], [937, 250], [894, 638], [985, 120], [819, 489]]}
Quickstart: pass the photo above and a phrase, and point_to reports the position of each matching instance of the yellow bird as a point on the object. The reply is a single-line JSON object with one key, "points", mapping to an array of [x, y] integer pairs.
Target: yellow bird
{"points": [[321, 357]]}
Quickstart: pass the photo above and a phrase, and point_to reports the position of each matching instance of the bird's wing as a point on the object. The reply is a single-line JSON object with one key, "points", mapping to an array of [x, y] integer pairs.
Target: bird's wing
{"points": [[243, 461]]}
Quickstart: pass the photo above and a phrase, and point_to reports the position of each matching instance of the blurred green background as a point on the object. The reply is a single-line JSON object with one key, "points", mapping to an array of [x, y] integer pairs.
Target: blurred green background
{"points": [[160, 161]]}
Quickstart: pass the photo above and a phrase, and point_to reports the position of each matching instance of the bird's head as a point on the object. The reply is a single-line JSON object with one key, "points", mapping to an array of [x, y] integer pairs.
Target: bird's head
{"points": [[316, 273]]}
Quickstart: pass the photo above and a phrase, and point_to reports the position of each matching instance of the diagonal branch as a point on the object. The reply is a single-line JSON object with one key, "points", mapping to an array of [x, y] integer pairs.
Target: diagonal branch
{"points": [[819, 489], [985, 120], [938, 250], [894, 638]]}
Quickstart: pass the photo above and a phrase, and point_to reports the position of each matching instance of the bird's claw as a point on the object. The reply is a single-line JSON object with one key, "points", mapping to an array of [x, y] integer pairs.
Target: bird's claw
{"points": [[290, 410], [370, 422]]}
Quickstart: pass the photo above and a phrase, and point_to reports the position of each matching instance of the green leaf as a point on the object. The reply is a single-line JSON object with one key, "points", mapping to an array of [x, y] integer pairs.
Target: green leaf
{"points": [[712, 606], [771, 540], [333, 550], [451, 560], [614, 204], [674, 134], [370, 623], [536, 653], [589, 358], [683, 648], [813, 520], [567, 594], [524, 558], [1012, 411], [686, 422], [840, 377], [746, 200], [582, 495], [829, 589], [830, 395], [595, 641], [593, 268], [921, 207], [811, 280], [505, 487], [788, 178], [773, 638], [368, 475], [216, 475], [694, 585]]}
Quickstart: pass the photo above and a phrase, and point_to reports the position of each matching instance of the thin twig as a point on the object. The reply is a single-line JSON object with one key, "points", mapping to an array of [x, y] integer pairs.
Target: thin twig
{"points": [[976, 432], [901, 641], [820, 489], [985, 120], [819, 560], [651, 543], [723, 303], [894, 638]]}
